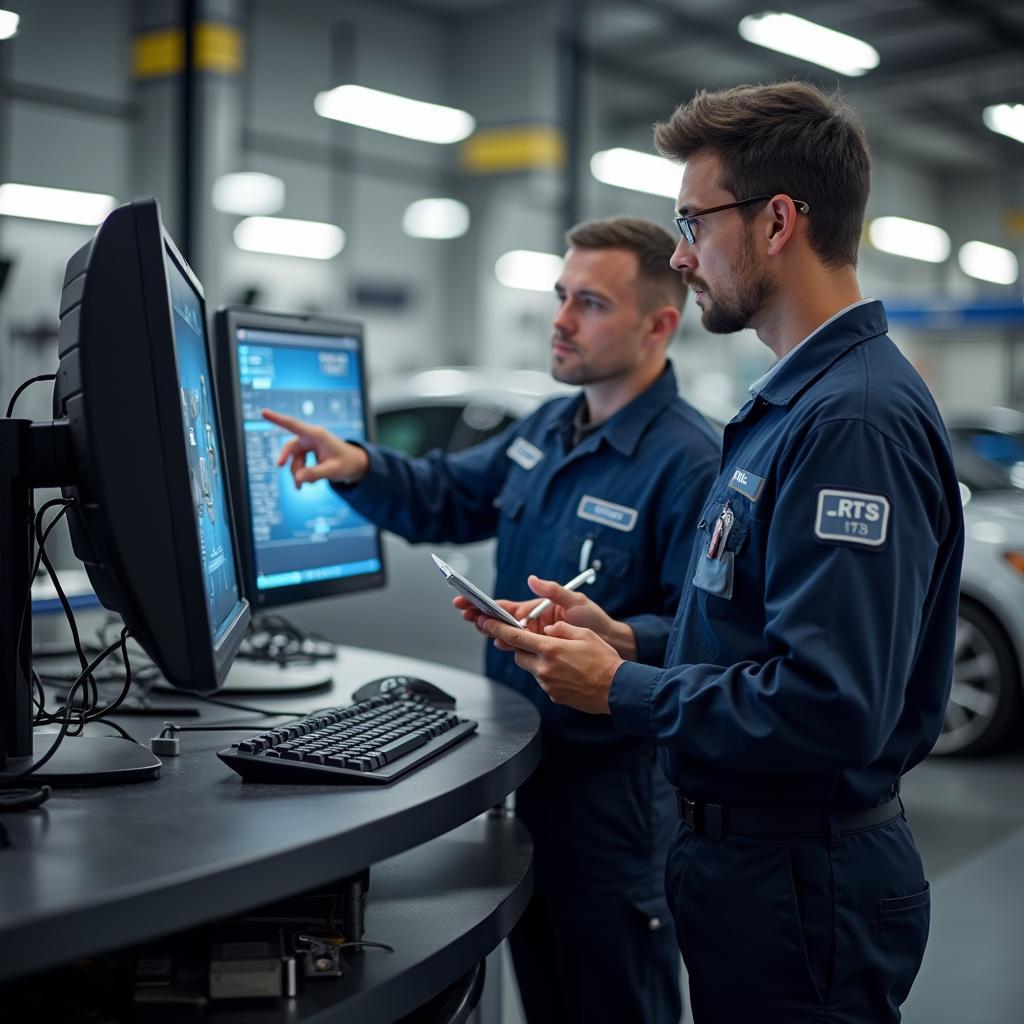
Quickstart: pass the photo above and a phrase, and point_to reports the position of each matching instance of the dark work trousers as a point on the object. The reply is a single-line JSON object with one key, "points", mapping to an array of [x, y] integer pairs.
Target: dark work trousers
{"points": [[596, 942], [788, 931]]}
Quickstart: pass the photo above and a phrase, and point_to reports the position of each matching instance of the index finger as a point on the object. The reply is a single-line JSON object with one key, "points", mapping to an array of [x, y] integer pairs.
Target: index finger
{"points": [[288, 422]]}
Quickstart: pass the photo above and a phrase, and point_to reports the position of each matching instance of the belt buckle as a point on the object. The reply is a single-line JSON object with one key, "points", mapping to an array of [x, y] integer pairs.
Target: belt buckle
{"points": [[704, 818]]}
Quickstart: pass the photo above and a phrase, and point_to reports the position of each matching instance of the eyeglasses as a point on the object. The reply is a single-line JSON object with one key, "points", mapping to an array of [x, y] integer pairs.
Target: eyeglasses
{"points": [[686, 224]]}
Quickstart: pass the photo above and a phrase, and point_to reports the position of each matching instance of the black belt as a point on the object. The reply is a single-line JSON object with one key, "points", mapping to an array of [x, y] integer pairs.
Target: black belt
{"points": [[716, 821]]}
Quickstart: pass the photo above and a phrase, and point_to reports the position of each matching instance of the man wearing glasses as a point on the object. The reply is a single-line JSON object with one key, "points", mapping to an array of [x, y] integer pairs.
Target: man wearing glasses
{"points": [[811, 657]]}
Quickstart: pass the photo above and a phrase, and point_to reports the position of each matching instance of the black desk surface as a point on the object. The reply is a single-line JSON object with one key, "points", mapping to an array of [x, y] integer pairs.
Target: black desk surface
{"points": [[96, 869]]}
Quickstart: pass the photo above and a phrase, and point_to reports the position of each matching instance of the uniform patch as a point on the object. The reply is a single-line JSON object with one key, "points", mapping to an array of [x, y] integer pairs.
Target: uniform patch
{"points": [[749, 485], [524, 454], [597, 510], [852, 517]]}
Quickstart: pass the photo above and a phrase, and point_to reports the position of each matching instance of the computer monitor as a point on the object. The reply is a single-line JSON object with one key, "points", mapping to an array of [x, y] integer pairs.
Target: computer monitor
{"points": [[136, 444], [295, 545]]}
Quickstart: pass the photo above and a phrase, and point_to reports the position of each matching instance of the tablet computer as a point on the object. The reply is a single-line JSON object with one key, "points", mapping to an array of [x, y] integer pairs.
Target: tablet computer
{"points": [[473, 594]]}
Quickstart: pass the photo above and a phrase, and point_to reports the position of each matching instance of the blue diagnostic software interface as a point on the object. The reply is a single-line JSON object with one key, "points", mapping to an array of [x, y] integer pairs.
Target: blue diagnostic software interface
{"points": [[202, 440], [311, 534]]}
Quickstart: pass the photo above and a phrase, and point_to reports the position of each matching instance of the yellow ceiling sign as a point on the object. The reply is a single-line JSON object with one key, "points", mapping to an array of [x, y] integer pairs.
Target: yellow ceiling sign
{"points": [[218, 48], [522, 148]]}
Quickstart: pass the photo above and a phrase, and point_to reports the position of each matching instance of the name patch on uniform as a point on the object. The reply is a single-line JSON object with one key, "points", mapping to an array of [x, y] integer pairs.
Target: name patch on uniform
{"points": [[524, 454], [852, 517], [597, 510], [749, 485]]}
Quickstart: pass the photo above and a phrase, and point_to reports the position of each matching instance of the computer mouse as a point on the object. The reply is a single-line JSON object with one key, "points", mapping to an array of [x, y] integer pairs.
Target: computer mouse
{"points": [[407, 686]]}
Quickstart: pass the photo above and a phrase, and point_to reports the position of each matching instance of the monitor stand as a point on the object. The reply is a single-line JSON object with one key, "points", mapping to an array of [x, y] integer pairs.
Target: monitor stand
{"points": [[86, 761], [41, 455], [266, 677]]}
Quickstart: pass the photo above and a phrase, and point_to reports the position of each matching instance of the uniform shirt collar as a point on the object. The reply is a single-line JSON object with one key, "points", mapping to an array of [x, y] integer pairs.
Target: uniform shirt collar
{"points": [[624, 430], [806, 362]]}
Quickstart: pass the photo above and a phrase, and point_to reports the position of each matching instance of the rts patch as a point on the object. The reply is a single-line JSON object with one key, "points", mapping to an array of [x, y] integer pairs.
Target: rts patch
{"points": [[852, 517]]}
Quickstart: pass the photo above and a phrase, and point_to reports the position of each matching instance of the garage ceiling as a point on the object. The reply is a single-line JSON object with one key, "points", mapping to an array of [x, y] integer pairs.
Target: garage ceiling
{"points": [[942, 62]]}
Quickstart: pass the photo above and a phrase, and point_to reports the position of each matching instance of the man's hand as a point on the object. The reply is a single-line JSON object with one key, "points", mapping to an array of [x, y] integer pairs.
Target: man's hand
{"points": [[566, 606], [336, 460], [573, 666]]}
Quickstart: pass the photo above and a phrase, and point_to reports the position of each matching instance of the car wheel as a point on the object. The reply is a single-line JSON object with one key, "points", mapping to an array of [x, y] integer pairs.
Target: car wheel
{"points": [[985, 697]]}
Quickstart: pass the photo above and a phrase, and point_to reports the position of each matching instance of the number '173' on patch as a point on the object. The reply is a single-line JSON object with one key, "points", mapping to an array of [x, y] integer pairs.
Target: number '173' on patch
{"points": [[852, 517]]}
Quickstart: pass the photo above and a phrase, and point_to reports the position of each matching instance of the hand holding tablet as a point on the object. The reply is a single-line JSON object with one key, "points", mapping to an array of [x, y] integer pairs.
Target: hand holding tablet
{"points": [[474, 595]]}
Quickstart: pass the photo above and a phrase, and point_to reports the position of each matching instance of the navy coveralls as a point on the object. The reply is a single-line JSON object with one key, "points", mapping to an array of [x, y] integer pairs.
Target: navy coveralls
{"points": [[809, 668], [595, 943]]}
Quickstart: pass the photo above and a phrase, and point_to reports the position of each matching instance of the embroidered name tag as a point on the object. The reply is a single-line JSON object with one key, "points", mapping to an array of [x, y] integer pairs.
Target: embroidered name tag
{"points": [[749, 485], [524, 454], [852, 517], [618, 517]]}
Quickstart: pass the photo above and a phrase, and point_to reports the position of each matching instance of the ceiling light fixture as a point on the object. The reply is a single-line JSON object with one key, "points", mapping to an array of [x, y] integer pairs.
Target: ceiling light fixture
{"points": [[533, 271], [436, 218], [797, 37], [248, 192], [396, 115], [282, 236], [642, 172], [910, 238], [988, 262], [1006, 119], [8, 24], [58, 204]]}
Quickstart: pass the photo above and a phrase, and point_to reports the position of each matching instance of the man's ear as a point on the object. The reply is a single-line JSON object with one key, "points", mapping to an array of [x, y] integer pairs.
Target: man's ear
{"points": [[663, 323], [782, 215]]}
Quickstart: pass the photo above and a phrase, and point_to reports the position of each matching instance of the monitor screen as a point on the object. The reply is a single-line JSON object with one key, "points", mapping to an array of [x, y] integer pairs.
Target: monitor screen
{"points": [[206, 470], [305, 543]]}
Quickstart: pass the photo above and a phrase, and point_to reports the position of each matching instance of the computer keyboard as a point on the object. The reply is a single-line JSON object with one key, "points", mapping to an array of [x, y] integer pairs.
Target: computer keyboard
{"points": [[372, 742]]}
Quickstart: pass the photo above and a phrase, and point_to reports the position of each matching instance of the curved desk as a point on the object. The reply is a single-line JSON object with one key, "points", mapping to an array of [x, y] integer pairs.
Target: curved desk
{"points": [[100, 869]]}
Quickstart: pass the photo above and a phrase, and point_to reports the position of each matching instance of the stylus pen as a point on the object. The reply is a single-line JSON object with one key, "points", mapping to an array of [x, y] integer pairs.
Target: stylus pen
{"points": [[585, 577]]}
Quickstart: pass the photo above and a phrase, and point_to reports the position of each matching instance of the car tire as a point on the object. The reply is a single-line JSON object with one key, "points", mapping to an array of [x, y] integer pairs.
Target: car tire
{"points": [[986, 694]]}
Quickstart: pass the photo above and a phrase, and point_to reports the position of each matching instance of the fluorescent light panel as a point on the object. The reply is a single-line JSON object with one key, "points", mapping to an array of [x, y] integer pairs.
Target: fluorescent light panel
{"points": [[248, 192], [436, 218], [910, 238], [786, 33], [282, 236], [533, 271], [642, 172], [8, 24], [988, 262], [396, 115], [59, 204], [1006, 119]]}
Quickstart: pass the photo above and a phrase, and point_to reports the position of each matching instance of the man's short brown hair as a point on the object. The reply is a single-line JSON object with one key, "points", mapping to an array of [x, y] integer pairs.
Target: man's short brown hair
{"points": [[657, 283], [788, 138]]}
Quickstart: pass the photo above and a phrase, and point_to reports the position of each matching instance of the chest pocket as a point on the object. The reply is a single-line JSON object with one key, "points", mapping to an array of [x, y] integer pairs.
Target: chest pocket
{"points": [[717, 575], [510, 504], [609, 558]]}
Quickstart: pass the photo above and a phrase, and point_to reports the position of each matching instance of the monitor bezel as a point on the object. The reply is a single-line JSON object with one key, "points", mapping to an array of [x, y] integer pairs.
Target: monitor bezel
{"points": [[227, 321]]}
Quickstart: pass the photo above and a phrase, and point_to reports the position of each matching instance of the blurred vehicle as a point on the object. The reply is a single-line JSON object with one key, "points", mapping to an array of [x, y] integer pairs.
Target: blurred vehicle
{"points": [[452, 408], [995, 435], [988, 672]]}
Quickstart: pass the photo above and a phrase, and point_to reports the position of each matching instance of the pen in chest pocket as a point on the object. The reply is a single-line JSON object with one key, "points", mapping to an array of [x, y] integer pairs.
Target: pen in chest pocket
{"points": [[719, 536]]}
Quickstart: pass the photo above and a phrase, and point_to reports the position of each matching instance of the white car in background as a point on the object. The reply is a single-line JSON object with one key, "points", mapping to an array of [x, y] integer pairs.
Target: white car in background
{"points": [[988, 673], [454, 407]]}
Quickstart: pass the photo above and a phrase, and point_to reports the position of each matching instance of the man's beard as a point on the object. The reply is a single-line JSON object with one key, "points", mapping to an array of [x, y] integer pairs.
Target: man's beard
{"points": [[753, 289]]}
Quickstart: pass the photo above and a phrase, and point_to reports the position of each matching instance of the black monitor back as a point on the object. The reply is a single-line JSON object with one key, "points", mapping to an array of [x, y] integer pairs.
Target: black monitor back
{"points": [[139, 524]]}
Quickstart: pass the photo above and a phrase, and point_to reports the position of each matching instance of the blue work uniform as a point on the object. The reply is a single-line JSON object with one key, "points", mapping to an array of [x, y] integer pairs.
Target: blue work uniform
{"points": [[807, 671], [596, 942]]}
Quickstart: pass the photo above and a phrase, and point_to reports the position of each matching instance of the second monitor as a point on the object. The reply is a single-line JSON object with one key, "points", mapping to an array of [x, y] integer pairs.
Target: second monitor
{"points": [[295, 545]]}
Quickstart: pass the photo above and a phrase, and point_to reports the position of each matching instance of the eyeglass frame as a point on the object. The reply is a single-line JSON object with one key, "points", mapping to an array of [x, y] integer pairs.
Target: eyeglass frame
{"points": [[686, 228]]}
